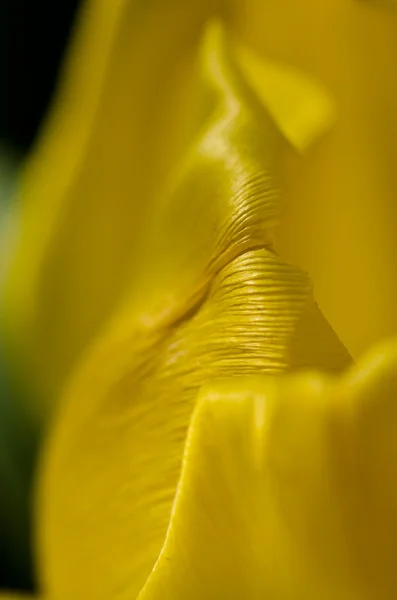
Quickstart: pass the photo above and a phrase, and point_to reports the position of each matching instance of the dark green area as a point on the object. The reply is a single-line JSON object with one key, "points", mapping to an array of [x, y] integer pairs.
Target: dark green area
{"points": [[17, 438], [33, 38], [18, 450]]}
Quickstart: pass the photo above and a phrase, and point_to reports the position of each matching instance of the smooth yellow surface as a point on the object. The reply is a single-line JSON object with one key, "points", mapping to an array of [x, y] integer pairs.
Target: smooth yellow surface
{"points": [[342, 215], [211, 300], [118, 125], [288, 490]]}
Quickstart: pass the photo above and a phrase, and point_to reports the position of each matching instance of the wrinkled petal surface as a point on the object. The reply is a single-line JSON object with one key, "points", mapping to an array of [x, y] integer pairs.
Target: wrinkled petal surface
{"points": [[342, 214], [211, 299], [288, 490], [127, 110]]}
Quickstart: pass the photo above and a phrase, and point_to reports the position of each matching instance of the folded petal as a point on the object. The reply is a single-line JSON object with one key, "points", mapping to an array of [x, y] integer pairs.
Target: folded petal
{"points": [[303, 109], [342, 210], [211, 299], [288, 490], [126, 110]]}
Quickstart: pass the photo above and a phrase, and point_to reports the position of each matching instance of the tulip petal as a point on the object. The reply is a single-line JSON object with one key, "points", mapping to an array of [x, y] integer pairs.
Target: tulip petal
{"points": [[120, 120], [288, 490], [342, 215], [211, 299], [126, 111], [301, 107]]}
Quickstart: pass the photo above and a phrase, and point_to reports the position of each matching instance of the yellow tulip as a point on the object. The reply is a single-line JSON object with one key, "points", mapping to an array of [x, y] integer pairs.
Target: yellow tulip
{"points": [[288, 490], [87, 191], [126, 114], [342, 219], [211, 299], [182, 462]]}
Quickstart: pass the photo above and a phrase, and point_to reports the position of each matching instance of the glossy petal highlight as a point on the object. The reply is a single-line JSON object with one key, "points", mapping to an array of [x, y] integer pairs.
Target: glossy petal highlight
{"points": [[287, 490], [211, 299]]}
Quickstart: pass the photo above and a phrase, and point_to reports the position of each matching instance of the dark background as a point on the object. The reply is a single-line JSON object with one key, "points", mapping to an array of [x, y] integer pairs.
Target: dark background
{"points": [[33, 37]]}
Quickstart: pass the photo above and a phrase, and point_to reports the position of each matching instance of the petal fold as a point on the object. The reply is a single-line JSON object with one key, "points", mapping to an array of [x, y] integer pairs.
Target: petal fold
{"points": [[210, 299], [342, 214], [287, 490]]}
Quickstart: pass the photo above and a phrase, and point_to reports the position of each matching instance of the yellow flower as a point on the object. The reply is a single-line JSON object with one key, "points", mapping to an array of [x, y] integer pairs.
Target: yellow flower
{"points": [[343, 213], [288, 490], [182, 463], [128, 111]]}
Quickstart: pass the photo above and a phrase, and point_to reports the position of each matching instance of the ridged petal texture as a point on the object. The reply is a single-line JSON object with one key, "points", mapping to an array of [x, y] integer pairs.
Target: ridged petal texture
{"points": [[210, 300], [128, 108], [343, 212], [288, 490]]}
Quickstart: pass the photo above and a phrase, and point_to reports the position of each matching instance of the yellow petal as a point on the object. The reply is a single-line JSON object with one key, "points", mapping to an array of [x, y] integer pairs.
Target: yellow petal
{"points": [[288, 490], [119, 122], [343, 216], [211, 299], [301, 107], [125, 112]]}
